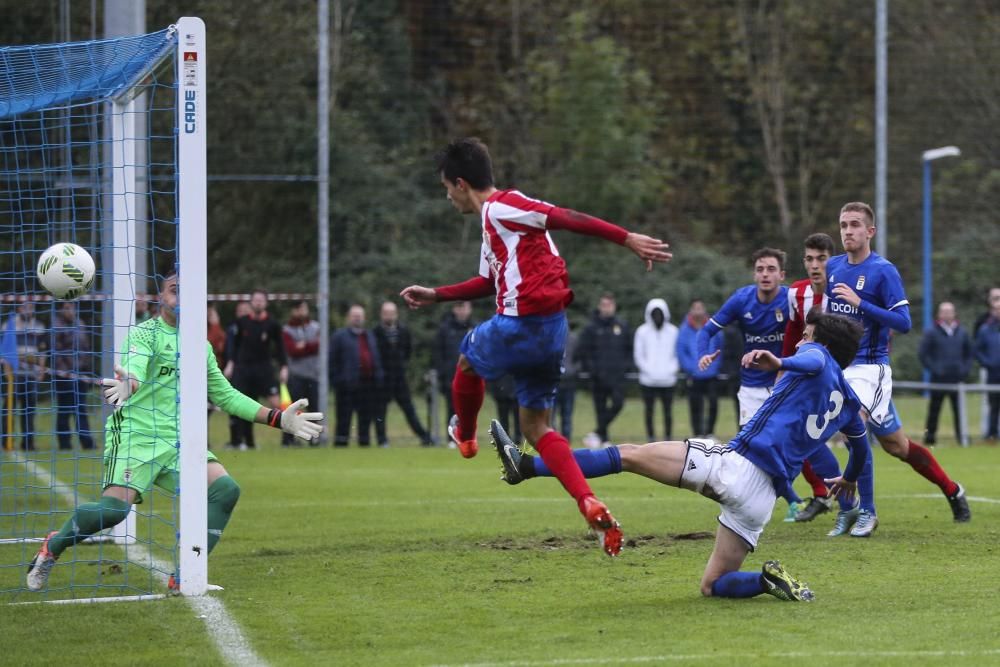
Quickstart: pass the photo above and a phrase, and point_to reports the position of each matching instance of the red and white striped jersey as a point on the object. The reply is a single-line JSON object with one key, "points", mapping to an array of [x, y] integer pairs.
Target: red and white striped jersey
{"points": [[801, 299], [519, 256]]}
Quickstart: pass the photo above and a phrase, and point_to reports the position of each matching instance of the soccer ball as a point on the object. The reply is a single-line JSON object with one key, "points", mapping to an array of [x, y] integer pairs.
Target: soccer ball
{"points": [[66, 271]]}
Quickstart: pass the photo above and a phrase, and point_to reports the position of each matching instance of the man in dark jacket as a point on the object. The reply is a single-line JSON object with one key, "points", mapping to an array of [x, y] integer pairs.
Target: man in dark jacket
{"points": [[946, 353], [395, 347], [988, 354], [449, 337], [356, 376], [606, 353], [257, 347]]}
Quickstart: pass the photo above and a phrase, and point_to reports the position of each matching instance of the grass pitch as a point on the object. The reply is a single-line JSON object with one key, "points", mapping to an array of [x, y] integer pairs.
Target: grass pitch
{"points": [[409, 556]]}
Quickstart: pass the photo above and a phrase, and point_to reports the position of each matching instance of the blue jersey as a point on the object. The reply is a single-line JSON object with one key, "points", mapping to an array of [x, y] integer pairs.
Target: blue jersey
{"points": [[877, 282], [762, 324], [804, 410]]}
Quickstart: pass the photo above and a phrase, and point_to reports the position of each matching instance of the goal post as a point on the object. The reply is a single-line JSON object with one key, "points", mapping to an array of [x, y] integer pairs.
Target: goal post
{"points": [[103, 143], [193, 290]]}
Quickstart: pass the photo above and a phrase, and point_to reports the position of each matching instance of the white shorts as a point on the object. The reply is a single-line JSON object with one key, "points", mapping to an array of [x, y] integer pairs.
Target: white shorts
{"points": [[873, 385], [744, 491], [751, 398]]}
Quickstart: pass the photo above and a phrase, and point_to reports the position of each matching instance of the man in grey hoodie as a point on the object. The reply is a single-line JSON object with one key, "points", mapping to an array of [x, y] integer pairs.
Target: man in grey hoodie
{"points": [[654, 351]]}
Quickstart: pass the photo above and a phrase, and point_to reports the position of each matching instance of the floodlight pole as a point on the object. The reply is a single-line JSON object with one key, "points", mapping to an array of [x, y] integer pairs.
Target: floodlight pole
{"points": [[926, 159], [323, 202], [881, 124]]}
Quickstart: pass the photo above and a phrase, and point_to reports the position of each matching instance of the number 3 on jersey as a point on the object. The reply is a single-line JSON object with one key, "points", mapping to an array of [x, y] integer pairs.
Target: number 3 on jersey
{"points": [[815, 424]]}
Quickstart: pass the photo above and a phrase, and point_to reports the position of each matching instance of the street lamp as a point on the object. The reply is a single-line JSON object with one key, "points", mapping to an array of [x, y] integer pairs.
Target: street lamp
{"points": [[927, 158]]}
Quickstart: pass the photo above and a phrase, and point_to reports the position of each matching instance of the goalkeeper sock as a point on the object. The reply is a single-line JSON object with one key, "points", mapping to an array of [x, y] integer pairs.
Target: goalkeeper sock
{"points": [[592, 462], [89, 519], [738, 585], [222, 497]]}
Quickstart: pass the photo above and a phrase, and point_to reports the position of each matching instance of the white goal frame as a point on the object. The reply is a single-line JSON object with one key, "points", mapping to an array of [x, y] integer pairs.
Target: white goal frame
{"points": [[192, 214], [192, 266]]}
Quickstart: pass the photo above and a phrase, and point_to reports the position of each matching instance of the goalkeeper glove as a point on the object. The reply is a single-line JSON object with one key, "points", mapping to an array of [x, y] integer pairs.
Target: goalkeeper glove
{"points": [[120, 387], [301, 424]]}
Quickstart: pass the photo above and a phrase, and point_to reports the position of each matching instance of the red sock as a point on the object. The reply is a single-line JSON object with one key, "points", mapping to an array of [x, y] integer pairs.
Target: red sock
{"points": [[819, 488], [467, 393], [555, 451], [921, 459]]}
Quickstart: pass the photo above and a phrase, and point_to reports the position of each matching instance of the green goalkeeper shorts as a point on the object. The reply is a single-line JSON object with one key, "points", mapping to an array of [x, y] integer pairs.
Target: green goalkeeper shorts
{"points": [[139, 463]]}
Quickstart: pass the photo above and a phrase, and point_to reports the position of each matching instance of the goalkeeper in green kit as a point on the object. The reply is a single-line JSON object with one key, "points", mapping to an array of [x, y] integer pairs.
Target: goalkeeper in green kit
{"points": [[141, 435]]}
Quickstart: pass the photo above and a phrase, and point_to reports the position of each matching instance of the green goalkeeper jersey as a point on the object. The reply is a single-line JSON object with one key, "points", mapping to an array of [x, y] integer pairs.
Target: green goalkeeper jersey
{"points": [[150, 356]]}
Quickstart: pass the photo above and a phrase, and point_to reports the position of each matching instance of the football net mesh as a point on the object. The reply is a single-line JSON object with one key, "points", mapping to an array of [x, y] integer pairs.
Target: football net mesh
{"points": [[88, 156]]}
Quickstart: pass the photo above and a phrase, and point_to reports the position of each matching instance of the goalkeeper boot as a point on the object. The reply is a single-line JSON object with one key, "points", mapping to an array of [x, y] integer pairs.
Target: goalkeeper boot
{"points": [[780, 584], [845, 519], [814, 508], [601, 522], [467, 448], [41, 566], [508, 453], [960, 505], [866, 524]]}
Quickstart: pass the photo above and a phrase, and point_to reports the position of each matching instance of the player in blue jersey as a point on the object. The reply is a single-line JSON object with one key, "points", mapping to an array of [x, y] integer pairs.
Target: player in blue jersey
{"points": [[867, 287], [760, 310], [810, 402]]}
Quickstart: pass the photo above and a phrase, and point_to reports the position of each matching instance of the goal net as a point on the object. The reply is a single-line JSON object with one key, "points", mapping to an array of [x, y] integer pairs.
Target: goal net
{"points": [[102, 145]]}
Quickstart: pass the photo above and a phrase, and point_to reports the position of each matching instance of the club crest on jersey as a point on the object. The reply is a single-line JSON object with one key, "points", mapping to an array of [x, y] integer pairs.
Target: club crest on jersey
{"points": [[617, 330], [861, 283], [778, 315]]}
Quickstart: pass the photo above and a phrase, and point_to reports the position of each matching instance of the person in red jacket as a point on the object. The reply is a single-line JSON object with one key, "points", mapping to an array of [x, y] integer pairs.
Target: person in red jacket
{"points": [[301, 338]]}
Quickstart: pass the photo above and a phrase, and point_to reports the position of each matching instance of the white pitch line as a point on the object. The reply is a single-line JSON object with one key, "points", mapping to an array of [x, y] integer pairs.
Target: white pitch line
{"points": [[222, 628], [743, 657], [534, 501]]}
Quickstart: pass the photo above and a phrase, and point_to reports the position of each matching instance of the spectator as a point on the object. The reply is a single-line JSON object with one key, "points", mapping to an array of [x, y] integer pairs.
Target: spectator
{"points": [[8, 363], [562, 413], [988, 354], [395, 347], [71, 362], [992, 296], [356, 376], [729, 370], [946, 353], [142, 310], [301, 339], [606, 353], [31, 343], [257, 346], [505, 396], [216, 335], [453, 329], [655, 354], [216, 338], [229, 368], [702, 386]]}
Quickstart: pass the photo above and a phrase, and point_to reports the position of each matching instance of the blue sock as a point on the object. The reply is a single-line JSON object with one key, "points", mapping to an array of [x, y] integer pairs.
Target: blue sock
{"points": [[738, 585], [593, 462], [824, 463], [866, 485]]}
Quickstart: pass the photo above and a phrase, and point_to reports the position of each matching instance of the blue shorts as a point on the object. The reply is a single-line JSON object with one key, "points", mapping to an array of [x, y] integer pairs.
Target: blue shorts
{"points": [[889, 425], [530, 348]]}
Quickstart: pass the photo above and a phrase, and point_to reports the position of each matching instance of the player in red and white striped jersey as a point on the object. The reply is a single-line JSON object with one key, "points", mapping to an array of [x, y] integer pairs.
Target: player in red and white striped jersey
{"points": [[803, 296], [520, 263]]}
